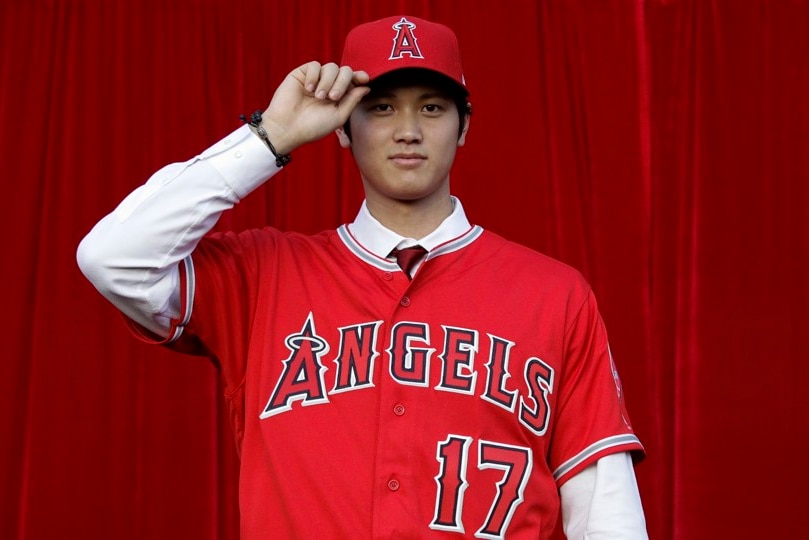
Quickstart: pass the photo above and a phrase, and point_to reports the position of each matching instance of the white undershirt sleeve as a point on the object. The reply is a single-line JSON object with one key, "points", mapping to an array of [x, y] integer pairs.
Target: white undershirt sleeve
{"points": [[131, 256], [602, 502]]}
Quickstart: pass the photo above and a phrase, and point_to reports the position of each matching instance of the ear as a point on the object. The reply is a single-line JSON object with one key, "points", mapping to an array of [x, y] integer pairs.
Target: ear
{"points": [[342, 136], [462, 138]]}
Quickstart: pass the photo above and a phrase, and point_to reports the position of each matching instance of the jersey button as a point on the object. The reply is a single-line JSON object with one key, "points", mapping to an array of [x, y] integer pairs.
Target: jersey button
{"points": [[393, 484], [405, 301], [399, 410], [387, 276]]}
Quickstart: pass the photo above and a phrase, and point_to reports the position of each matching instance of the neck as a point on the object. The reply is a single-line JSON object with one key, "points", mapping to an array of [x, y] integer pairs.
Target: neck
{"points": [[411, 219]]}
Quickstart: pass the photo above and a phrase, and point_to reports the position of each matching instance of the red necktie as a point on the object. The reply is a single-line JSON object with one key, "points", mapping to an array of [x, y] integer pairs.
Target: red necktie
{"points": [[407, 257]]}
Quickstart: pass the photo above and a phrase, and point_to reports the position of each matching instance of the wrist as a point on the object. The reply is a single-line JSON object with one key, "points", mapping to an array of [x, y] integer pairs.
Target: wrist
{"points": [[281, 152], [281, 139]]}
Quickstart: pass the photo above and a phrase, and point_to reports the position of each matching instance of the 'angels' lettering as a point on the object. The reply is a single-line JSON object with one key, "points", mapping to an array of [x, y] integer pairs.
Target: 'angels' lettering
{"points": [[409, 358]]}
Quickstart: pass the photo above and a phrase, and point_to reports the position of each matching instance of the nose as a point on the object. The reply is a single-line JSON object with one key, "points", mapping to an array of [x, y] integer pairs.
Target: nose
{"points": [[408, 127]]}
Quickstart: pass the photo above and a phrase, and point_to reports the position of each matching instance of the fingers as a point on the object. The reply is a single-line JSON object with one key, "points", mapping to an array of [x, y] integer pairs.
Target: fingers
{"points": [[361, 78], [341, 83], [311, 76], [312, 101], [328, 76], [330, 81]]}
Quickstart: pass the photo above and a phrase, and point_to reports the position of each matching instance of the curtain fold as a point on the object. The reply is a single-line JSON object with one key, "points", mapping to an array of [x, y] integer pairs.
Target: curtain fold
{"points": [[659, 146]]}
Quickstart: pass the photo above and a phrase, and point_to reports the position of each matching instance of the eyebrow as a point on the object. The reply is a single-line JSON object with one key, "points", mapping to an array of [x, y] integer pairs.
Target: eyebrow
{"points": [[391, 94]]}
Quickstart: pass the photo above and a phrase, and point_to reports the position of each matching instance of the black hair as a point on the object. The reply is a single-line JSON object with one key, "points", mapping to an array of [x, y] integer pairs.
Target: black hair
{"points": [[424, 77]]}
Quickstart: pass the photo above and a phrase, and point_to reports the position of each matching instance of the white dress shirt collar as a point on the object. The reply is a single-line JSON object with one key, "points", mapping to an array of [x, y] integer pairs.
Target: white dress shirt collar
{"points": [[380, 240]]}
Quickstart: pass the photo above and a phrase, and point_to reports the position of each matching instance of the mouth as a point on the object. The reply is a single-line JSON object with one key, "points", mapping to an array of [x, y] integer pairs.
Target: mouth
{"points": [[408, 159]]}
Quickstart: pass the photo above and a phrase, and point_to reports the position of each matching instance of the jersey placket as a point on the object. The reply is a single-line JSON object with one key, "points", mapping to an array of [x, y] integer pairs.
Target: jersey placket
{"points": [[406, 358]]}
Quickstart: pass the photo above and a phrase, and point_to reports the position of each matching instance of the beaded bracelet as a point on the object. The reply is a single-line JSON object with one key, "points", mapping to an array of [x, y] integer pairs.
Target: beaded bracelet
{"points": [[255, 121]]}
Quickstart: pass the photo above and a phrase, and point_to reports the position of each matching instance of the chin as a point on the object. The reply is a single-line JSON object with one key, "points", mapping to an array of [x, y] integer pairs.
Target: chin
{"points": [[416, 196]]}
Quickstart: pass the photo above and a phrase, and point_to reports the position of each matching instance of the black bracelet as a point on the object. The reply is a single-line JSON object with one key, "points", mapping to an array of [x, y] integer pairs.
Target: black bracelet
{"points": [[255, 121]]}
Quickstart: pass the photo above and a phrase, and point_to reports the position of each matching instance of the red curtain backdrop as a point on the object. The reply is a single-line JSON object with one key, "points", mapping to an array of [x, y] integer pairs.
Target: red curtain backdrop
{"points": [[660, 146]]}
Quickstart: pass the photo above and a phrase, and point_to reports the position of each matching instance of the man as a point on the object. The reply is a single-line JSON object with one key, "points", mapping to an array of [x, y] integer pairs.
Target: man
{"points": [[466, 391]]}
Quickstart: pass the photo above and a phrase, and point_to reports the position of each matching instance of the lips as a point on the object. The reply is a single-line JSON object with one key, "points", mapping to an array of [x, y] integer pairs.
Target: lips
{"points": [[408, 159]]}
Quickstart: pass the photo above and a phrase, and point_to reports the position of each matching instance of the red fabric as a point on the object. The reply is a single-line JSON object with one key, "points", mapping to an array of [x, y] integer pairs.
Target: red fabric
{"points": [[657, 145], [392, 43], [282, 313]]}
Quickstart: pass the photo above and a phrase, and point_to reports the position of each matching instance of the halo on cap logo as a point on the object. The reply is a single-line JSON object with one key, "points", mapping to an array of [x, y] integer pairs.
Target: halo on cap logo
{"points": [[404, 42]]}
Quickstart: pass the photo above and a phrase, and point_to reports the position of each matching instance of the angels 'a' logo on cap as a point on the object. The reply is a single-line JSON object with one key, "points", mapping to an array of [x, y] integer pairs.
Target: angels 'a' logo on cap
{"points": [[404, 42]]}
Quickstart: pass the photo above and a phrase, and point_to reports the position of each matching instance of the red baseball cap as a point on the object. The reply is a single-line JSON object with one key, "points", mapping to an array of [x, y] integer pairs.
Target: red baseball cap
{"points": [[399, 42]]}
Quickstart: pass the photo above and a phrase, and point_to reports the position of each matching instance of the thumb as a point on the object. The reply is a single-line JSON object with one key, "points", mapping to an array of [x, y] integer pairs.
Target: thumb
{"points": [[351, 100]]}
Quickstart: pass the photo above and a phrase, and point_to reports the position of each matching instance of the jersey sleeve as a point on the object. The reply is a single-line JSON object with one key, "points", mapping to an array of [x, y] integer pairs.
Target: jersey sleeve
{"points": [[212, 288], [222, 282], [592, 420]]}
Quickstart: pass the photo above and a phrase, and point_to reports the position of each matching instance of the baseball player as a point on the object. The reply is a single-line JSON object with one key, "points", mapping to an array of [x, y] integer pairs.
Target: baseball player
{"points": [[407, 375]]}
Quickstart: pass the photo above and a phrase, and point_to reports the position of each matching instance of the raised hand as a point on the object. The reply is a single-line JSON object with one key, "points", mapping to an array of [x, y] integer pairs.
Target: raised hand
{"points": [[311, 102]]}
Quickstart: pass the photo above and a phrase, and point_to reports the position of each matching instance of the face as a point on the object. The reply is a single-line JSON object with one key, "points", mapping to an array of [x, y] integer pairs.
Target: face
{"points": [[404, 140]]}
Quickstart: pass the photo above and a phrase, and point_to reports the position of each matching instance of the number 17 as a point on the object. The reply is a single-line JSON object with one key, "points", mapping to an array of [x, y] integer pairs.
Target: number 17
{"points": [[452, 455]]}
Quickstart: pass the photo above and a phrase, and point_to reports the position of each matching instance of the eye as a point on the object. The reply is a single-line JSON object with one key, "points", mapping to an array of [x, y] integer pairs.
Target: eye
{"points": [[433, 109], [381, 107]]}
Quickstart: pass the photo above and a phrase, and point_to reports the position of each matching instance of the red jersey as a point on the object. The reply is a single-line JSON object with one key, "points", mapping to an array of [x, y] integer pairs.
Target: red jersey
{"points": [[368, 405]]}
